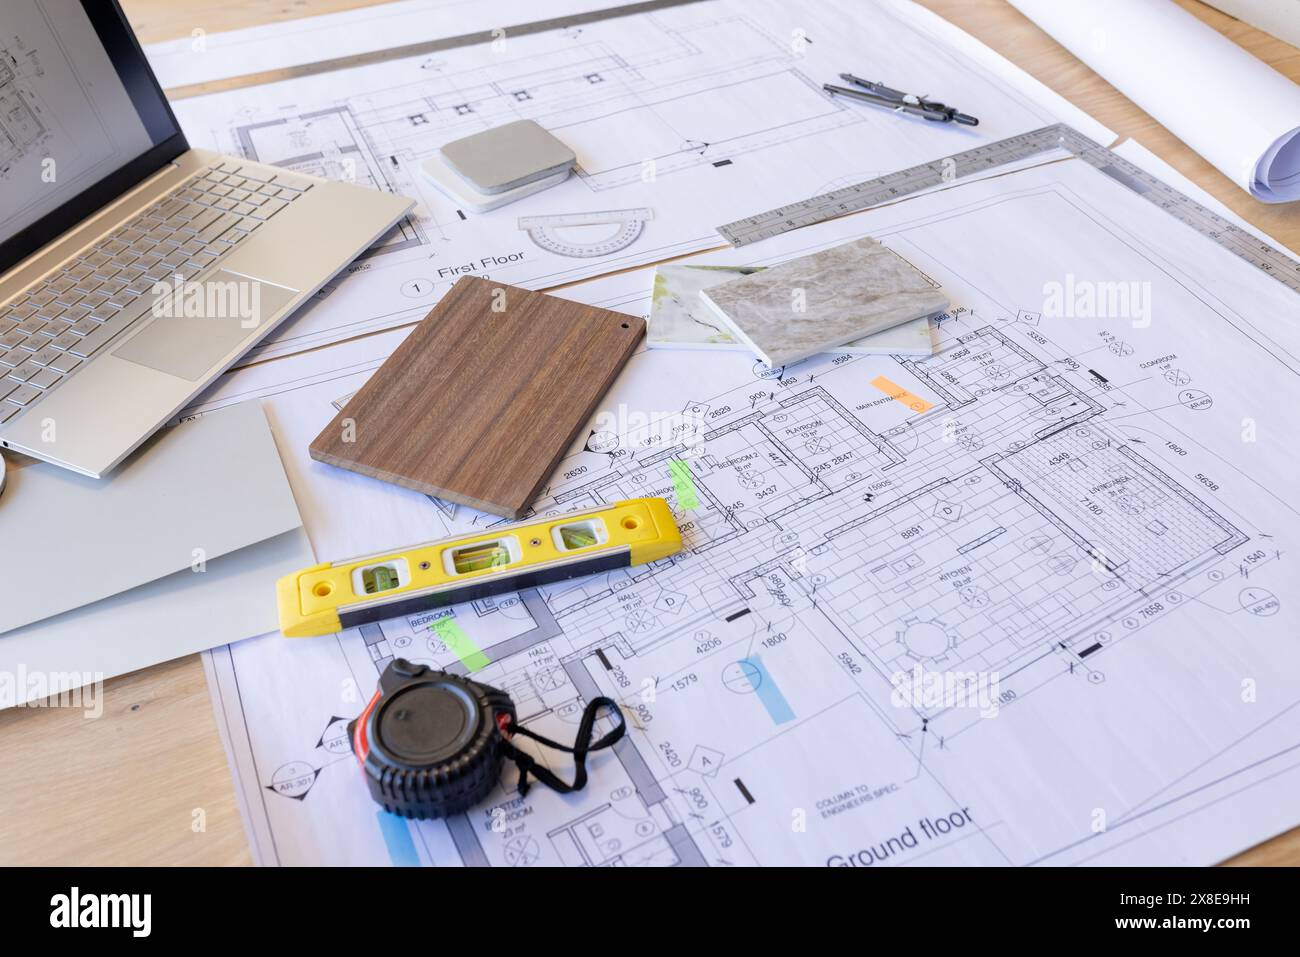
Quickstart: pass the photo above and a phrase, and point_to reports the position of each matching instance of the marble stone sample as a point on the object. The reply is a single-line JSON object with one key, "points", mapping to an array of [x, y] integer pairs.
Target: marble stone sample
{"points": [[679, 320], [819, 302]]}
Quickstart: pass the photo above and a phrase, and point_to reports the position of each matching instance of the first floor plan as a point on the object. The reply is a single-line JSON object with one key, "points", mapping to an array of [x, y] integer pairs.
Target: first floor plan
{"points": [[681, 118]]}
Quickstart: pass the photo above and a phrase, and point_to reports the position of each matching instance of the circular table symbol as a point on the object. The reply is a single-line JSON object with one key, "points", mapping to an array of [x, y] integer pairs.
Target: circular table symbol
{"points": [[927, 639]]}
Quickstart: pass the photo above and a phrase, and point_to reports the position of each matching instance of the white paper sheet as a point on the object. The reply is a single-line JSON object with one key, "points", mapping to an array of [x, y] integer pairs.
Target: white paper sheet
{"points": [[1240, 114], [171, 502], [1094, 519], [682, 119], [149, 624], [121, 593]]}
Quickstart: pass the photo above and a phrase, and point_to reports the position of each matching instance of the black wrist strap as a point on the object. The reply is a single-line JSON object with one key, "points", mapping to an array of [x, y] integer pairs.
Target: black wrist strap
{"points": [[582, 746]]}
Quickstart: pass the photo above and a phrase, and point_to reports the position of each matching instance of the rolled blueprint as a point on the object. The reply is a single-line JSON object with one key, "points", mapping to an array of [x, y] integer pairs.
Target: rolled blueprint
{"points": [[1240, 114]]}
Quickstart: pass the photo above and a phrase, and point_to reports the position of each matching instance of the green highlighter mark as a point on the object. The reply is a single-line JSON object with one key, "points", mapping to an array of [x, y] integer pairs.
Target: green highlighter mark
{"points": [[683, 484], [459, 643]]}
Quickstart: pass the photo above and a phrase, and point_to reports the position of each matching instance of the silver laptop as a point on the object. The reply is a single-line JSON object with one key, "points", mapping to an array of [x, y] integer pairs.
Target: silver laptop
{"points": [[133, 269]]}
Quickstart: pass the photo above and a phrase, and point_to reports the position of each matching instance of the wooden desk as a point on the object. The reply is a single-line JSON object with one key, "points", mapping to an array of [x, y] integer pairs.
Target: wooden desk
{"points": [[124, 789]]}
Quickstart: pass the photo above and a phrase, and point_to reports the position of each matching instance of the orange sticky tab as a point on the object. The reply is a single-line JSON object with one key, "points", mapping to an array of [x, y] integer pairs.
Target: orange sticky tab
{"points": [[895, 391]]}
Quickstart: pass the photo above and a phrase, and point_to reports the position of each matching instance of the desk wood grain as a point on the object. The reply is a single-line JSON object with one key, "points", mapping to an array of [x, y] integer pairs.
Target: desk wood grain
{"points": [[124, 788]]}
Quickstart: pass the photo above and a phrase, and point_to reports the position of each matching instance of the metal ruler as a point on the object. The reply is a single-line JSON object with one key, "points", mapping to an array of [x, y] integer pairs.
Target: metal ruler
{"points": [[423, 48], [873, 192]]}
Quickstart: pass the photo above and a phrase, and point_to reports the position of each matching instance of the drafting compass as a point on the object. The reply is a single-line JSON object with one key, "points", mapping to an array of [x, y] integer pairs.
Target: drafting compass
{"points": [[897, 100]]}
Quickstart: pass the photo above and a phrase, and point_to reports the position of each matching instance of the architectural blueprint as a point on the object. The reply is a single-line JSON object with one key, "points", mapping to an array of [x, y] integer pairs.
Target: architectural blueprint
{"points": [[22, 118], [63, 121], [681, 119], [1079, 514], [65, 118]]}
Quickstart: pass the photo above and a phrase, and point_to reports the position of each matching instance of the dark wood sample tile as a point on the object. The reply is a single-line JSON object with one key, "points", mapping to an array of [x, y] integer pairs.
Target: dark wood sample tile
{"points": [[480, 402]]}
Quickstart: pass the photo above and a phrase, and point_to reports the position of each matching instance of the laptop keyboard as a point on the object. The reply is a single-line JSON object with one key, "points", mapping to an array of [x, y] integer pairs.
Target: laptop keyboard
{"points": [[50, 331]]}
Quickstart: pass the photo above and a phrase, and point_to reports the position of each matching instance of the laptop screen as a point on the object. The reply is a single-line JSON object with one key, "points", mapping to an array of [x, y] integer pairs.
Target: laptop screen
{"points": [[82, 118]]}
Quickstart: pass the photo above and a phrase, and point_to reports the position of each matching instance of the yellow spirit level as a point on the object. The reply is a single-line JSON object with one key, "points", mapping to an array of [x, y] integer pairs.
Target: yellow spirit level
{"points": [[327, 598]]}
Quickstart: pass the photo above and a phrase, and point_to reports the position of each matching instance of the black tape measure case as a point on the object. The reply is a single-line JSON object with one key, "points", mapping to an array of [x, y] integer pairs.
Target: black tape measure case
{"points": [[431, 743]]}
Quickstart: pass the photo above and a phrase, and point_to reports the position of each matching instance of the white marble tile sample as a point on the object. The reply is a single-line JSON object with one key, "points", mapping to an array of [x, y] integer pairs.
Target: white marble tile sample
{"points": [[679, 320], [820, 302]]}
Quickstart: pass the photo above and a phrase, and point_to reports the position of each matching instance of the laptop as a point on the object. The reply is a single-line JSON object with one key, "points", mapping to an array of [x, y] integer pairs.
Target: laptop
{"points": [[133, 269]]}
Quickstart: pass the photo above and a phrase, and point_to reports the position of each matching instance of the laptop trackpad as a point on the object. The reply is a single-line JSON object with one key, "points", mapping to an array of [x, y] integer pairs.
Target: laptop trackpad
{"points": [[200, 323]]}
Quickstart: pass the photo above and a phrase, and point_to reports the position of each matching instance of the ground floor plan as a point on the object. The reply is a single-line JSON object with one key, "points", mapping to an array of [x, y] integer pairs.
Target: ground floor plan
{"points": [[1023, 601]]}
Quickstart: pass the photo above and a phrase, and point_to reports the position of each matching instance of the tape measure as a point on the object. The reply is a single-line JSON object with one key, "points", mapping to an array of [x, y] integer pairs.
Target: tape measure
{"points": [[330, 597], [431, 744], [873, 192]]}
